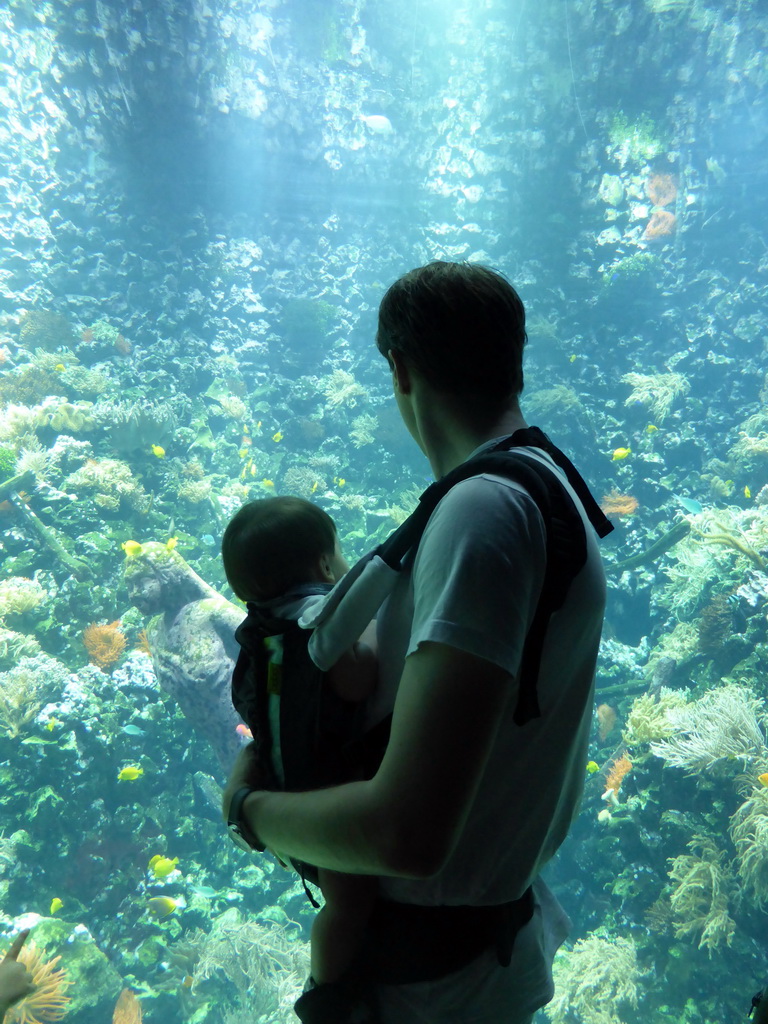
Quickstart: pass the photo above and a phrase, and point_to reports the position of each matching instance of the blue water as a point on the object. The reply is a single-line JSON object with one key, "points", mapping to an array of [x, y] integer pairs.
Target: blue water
{"points": [[202, 206]]}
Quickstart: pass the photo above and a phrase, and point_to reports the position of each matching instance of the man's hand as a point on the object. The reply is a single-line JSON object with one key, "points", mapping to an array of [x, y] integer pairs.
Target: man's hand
{"points": [[15, 980], [245, 772]]}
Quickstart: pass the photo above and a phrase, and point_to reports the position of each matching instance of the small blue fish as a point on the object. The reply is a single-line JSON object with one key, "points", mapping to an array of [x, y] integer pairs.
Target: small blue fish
{"points": [[204, 890], [133, 730], [209, 539], [690, 505]]}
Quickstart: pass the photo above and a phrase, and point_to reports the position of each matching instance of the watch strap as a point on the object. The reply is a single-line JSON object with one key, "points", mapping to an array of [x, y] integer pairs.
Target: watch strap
{"points": [[235, 818]]}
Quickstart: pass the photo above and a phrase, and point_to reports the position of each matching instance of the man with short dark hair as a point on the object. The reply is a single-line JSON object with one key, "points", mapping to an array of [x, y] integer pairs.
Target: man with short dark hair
{"points": [[472, 797]]}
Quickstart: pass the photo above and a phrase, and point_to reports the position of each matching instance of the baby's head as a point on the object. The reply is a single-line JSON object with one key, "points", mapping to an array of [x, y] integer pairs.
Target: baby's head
{"points": [[273, 544]]}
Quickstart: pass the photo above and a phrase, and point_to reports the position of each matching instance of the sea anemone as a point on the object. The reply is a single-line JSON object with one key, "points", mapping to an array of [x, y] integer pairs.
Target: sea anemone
{"points": [[105, 642], [662, 189], [47, 1002], [661, 225], [615, 504]]}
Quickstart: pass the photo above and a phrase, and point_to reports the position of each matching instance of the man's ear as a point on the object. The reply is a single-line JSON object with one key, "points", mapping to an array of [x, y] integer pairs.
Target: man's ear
{"points": [[401, 375]]}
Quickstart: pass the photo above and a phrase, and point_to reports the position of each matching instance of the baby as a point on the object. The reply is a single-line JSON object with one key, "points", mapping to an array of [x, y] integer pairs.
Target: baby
{"points": [[275, 552]]}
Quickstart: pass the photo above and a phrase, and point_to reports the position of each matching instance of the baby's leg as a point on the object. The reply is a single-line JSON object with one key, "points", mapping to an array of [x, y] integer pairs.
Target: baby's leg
{"points": [[338, 928]]}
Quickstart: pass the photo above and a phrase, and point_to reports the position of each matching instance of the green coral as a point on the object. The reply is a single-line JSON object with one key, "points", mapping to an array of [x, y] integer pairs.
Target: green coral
{"points": [[362, 430], [632, 268], [701, 896], [111, 480], [714, 732], [103, 331], [749, 831], [648, 719], [71, 417], [341, 388], [657, 391], [548, 402], [7, 462], [594, 979], [308, 318], [639, 139]]}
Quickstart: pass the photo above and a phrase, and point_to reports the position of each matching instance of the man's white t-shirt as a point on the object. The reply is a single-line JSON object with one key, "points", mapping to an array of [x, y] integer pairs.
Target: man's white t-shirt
{"points": [[473, 585]]}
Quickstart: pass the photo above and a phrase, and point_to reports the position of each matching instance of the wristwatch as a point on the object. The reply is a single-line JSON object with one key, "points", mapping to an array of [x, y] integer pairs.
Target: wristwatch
{"points": [[239, 832]]}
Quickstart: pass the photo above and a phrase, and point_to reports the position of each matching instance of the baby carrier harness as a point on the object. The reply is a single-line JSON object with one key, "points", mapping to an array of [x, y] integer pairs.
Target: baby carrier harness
{"points": [[406, 942]]}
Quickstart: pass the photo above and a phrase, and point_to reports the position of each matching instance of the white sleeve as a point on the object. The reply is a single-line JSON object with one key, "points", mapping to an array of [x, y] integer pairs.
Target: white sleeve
{"points": [[478, 571]]}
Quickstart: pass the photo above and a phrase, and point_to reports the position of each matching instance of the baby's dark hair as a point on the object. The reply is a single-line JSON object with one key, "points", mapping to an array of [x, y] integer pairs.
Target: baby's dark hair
{"points": [[272, 544]]}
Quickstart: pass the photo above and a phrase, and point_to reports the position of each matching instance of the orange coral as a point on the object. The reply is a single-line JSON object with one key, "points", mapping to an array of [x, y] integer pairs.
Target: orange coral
{"points": [[143, 644], [606, 720], [128, 1008], [621, 766], [661, 225], [662, 189], [615, 504], [47, 1002], [105, 642]]}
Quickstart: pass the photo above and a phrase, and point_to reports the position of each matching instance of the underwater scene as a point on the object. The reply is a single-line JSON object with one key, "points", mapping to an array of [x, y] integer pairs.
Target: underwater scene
{"points": [[203, 203]]}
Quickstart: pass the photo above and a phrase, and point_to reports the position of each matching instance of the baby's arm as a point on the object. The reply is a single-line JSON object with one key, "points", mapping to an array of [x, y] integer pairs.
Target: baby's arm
{"points": [[354, 675]]}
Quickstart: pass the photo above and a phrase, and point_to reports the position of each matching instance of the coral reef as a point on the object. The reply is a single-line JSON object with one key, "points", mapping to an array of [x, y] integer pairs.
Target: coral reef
{"points": [[648, 717], [594, 979], [19, 595], [263, 965], [104, 642], [341, 388], [616, 504], [303, 481], [362, 430], [656, 391], [749, 831], [41, 328], [113, 483], [702, 893], [620, 768], [662, 225], [709, 734], [22, 695], [128, 1008], [662, 189]]}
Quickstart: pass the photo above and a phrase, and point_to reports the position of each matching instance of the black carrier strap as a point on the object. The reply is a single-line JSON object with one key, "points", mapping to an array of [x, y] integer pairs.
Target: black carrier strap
{"points": [[566, 545]]}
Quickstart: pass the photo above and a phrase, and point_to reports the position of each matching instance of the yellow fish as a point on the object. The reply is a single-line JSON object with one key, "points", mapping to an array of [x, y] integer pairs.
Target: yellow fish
{"points": [[161, 906], [651, 428], [763, 779], [130, 773], [252, 469], [158, 450], [59, 367], [161, 867], [314, 487], [592, 767], [339, 480], [573, 358], [51, 724], [620, 453], [278, 436], [243, 452], [268, 483], [56, 904], [131, 548], [747, 492], [171, 543]]}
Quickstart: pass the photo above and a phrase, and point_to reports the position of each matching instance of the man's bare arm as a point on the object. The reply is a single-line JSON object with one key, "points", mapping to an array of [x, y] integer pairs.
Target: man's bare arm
{"points": [[407, 820]]}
